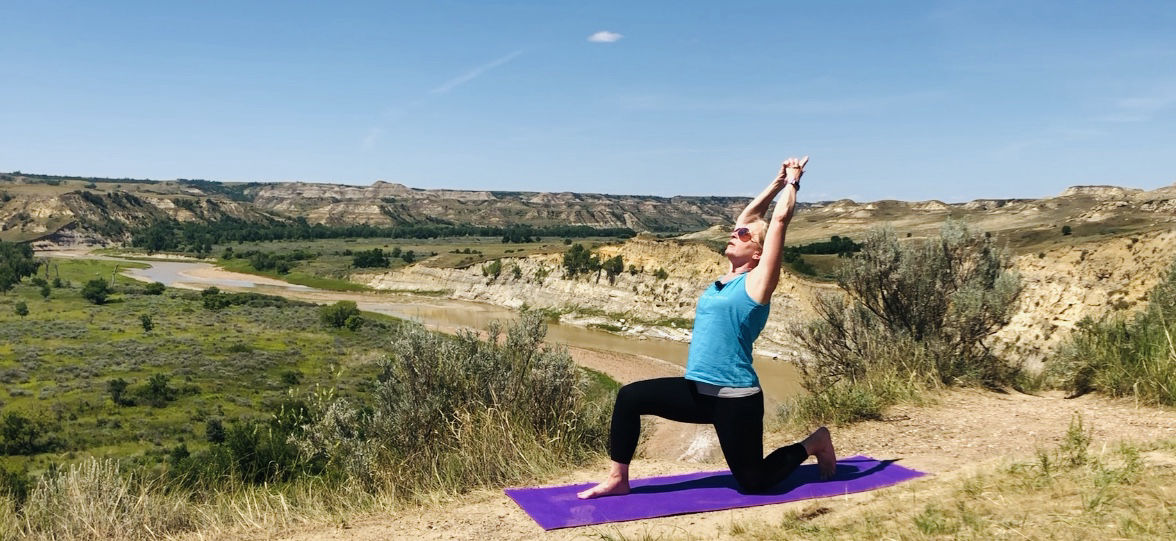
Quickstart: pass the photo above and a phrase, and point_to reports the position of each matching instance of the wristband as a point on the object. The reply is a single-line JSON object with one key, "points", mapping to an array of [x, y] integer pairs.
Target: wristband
{"points": [[794, 183]]}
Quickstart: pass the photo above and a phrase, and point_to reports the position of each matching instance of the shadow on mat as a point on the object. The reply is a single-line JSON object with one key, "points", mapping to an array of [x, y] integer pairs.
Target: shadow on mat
{"points": [[804, 475]]}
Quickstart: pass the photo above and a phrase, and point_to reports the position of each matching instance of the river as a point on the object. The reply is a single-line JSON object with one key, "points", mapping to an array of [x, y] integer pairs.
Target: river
{"points": [[779, 379]]}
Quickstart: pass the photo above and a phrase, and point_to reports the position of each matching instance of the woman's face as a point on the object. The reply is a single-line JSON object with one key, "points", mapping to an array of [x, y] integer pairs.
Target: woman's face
{"points": [[742, 245]]}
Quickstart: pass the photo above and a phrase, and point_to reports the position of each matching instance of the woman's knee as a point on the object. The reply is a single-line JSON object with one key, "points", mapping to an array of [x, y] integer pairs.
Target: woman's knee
{"points": [[627, 397], [751, 482]]}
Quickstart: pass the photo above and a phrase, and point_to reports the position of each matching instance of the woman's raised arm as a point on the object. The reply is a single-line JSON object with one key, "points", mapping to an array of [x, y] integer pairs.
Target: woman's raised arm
{"points": [[762, 280]]}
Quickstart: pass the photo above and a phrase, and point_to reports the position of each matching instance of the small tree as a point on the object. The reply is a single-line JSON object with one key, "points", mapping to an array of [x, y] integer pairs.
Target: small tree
{"points": [[118, 389], [21, 309], [20, 435], [493, 269], [214, 430], [1066, 230], [45, 291], [157, 392], [612, 267], [7, 280], [145, 320], [96, 291], [370, 258], [16, 262], [335, 315]]}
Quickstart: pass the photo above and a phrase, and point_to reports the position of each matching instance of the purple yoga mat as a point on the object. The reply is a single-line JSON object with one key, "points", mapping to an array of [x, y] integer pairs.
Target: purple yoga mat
{"points": [[558, 507]]}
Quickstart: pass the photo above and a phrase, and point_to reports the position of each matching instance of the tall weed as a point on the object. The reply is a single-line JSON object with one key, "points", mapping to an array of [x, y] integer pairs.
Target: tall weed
{"points": [[1124, 356], [95, 500]]}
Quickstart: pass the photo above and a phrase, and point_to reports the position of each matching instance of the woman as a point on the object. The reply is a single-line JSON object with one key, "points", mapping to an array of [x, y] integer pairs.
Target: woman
{"points": [[720, 386]]}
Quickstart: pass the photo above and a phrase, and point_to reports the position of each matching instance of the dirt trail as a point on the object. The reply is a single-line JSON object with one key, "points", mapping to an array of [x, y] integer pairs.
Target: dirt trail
{"points": [[961, 431]]}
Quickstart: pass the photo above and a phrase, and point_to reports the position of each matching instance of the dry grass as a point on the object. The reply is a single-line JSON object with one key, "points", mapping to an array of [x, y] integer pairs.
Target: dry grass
{"points": [[95, 499], [1071, 492]]}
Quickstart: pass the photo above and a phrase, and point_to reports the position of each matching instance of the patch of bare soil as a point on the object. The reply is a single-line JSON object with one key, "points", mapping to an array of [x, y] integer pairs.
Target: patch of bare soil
{"points": [[962, 430]]}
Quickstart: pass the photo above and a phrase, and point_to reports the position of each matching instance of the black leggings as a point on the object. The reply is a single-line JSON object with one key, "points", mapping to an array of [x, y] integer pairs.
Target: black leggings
{"points": [[739, 423]]}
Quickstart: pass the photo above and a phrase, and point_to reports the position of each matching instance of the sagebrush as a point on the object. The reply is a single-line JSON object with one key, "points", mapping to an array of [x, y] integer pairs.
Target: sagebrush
{"points": [[909, 315]]}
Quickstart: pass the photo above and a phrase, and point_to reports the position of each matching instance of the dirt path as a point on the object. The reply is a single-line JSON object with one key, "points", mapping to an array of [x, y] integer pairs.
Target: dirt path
{"points": [[962, 430]]}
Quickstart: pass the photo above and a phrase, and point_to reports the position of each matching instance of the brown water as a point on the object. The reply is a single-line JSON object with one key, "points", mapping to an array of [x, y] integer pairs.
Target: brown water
{"points": [[779, 379]]}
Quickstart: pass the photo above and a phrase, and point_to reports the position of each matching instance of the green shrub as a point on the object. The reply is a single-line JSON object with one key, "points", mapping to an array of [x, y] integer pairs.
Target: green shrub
{"points": [[291, 377], [492, 269], [16, 262], [916, 311], [154, 288], [1124, 356], [213, 299], [370, 258], [21, 435], [580, 260], [457, 412], [96, 291], [251, 451], [21, 308], [613, 266], [15, 484], [335, 315], [157, 391], [118, 389], [214, 430]]}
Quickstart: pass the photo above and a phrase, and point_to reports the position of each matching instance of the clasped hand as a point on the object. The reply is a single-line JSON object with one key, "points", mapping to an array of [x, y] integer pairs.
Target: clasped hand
{"points": [[792, 169]]}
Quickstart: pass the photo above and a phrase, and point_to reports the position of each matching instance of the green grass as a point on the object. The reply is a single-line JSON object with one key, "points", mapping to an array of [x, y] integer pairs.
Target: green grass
{"points": [[79, 271], [297, 276], [55, 363], [331, 269], [849, 402], [110, 476]]}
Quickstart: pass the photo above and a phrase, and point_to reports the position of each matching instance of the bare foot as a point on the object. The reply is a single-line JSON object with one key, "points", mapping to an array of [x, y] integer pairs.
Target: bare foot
{"points": [[613, 486], [820, 445], [617, 483]]}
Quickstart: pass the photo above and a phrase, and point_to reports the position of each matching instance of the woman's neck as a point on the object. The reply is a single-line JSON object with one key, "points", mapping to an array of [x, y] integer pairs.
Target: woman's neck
{"points": [[736, 271]]}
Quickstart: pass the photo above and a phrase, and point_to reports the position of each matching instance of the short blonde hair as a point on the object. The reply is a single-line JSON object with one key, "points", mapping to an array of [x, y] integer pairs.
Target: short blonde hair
{"points": [[759, 230]]}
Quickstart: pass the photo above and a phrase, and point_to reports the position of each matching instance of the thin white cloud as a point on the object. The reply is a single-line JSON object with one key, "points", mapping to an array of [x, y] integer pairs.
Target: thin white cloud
{"points": [[800, 106], [373, 135], [1140, 108], [604, 36], [474, 73]]}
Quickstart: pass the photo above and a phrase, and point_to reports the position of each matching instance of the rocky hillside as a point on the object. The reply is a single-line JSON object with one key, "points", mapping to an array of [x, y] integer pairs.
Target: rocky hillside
{"points": [[385, 203], [68, 212], [102, 210], [1119, 244], [1062, 285]]}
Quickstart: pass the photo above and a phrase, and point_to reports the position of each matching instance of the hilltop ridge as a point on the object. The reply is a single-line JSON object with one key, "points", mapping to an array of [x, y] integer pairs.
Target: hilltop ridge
{"points": [[75, 210]]}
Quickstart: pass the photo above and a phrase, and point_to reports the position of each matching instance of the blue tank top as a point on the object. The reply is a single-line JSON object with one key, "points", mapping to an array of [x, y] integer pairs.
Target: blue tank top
{"points": [[726, 323]]}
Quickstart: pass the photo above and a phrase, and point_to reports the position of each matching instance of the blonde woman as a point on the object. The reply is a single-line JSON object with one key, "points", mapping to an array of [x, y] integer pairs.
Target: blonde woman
{"points": [[720, 386]]}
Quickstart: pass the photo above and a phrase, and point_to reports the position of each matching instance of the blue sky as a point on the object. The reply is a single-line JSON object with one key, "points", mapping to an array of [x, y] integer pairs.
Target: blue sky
{"points": [[892, 100]]}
